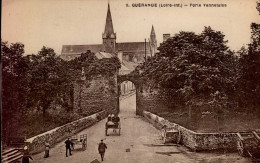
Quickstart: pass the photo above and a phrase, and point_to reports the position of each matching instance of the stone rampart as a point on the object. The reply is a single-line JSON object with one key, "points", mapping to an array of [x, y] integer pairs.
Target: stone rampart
{"points": [[94, 95]]}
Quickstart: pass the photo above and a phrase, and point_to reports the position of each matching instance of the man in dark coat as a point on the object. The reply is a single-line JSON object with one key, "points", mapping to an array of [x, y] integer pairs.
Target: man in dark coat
{"points": [[68, 145], [102, 149]]}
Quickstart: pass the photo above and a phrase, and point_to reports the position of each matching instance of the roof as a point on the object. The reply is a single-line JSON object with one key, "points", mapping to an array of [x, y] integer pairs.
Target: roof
{"points": [[124, 46], [101, 55], [133, 46], [130, 65], [71, 51], [124, 68], [78, 49]]}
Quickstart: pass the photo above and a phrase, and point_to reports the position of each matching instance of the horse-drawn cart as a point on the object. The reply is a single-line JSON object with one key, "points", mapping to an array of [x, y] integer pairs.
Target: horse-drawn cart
{"points": [[81, 140], [248, 143], [114, 125]]}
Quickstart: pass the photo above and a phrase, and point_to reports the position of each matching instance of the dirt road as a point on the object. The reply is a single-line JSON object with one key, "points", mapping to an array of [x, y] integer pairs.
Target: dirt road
{"points": [[139, 137]]}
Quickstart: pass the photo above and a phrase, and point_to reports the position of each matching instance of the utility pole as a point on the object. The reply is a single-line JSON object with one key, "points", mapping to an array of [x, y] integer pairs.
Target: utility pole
{"points": [[145, 49]]}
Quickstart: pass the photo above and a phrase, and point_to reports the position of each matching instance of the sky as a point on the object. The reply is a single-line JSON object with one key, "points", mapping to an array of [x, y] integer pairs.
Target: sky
{"points": [[53, 23]]}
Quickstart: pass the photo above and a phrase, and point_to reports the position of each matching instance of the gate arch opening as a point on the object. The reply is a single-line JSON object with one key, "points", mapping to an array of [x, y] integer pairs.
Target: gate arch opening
{"points": [[127, 97], [134, 79]]}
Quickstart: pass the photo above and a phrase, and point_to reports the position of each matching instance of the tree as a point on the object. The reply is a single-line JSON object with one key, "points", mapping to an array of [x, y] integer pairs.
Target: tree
{"points": [[249, 77], [190, 67], [46, 79], [14, 85], [94, 66]]}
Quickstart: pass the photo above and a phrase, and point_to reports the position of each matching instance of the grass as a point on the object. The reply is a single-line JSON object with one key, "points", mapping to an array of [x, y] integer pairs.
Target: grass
{"points": [[227, 121], [33, 123]]}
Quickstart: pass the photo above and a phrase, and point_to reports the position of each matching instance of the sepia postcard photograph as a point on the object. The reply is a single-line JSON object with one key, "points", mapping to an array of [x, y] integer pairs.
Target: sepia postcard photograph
{"points": [[130, 81]]}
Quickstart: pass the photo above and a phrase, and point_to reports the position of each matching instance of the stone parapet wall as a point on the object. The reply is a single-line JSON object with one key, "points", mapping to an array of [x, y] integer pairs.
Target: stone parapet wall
{"points": [[193, 140], [36, 144]]}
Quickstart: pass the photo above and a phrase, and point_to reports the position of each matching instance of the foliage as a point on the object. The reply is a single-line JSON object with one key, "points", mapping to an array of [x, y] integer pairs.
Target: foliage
{"points": [[190, 67], [93, 66], [42, 81], [14, 84], [249, 74], [47, 78]]}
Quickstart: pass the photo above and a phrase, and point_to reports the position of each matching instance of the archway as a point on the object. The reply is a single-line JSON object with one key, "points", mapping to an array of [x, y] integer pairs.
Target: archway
{"points": [[128, 88], [127, 98]]}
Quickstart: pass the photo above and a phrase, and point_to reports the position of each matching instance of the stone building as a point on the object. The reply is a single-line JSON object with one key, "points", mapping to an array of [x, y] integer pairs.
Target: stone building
{"points": [[130, 51], [166, 36]]}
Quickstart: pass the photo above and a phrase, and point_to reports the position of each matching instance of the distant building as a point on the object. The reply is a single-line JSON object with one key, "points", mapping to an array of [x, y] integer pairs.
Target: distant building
{"points": [[130, 51], [166, 37]]}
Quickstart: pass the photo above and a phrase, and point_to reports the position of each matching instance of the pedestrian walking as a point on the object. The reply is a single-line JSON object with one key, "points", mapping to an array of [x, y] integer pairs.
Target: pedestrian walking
{"points": [[68, 146], [102, 149], [26, 156], [47, 150]]}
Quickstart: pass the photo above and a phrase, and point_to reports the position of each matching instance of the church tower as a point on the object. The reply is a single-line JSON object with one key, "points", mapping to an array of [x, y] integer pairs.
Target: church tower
{"points": [[109, 37], [153, 42]]}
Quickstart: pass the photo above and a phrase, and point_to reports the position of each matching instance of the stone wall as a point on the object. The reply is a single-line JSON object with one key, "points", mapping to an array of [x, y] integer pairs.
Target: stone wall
{"points": [[36, 144], [193, 140], [100, 93]]}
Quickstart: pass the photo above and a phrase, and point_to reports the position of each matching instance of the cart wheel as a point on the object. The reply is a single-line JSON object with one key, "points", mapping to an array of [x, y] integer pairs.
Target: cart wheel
{"points": [[164, 136], [164, 140], [240, 148], [179, 138]]}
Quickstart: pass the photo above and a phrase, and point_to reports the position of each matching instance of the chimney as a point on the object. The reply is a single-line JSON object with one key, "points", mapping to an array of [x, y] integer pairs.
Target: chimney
{"points": [[166, 36]]}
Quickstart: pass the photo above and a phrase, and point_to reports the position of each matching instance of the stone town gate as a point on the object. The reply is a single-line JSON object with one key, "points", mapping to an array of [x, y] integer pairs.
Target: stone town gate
{"points": [[134, 79], [102, 93]]}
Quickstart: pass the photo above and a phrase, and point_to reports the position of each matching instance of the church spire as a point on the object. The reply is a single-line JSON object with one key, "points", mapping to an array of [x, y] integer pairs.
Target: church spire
{"points": [[153, 42], [109, 24], [153, 36], [109, 37], [152, 31]]}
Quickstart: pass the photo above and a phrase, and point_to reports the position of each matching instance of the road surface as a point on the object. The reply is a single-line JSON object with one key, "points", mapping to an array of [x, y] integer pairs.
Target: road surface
{"points": [[139, 137]]}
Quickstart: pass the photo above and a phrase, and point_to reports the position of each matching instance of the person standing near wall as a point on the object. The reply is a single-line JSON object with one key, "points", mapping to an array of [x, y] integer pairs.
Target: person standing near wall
{"points": [[26, 155], [47, 150], [102, 149], [84, 144], [68, 146]]}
